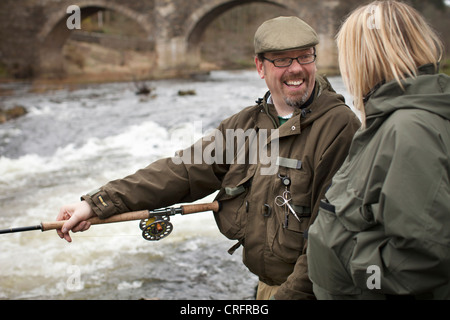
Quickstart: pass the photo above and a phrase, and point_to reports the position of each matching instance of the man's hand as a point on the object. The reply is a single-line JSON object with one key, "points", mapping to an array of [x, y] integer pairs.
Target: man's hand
{"points": [[76, 216]]}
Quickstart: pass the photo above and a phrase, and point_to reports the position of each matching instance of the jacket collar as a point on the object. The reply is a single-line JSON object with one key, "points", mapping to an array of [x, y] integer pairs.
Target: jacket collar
{"points": [[426, 69], [428, 91], [324, 99]]}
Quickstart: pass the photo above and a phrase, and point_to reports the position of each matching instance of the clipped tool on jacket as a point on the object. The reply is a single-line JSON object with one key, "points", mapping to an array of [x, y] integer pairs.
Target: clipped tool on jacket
{"points": [[155, 224]]}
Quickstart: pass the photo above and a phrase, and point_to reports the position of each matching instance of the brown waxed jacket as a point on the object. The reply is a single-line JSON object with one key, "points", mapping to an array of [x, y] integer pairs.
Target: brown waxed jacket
{"points": [[307, 150]]}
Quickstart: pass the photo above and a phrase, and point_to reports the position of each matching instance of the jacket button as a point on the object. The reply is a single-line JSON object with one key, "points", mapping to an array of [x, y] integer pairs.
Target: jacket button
{"points": [[293, 128]]}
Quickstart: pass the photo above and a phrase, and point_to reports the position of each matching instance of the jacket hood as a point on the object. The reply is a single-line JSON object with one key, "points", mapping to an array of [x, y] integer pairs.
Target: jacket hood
{"points": [[428, 91]]}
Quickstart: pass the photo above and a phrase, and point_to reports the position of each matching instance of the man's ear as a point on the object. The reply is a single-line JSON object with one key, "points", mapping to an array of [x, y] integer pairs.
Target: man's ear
{"points": [[260, 67]]}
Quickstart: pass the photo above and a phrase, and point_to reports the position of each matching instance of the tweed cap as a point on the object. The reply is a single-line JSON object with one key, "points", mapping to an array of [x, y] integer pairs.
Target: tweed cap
{"points": [[284, 34]]}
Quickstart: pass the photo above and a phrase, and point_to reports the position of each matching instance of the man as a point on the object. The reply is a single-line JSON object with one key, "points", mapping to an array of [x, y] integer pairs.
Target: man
{"points": [[305, 127]]}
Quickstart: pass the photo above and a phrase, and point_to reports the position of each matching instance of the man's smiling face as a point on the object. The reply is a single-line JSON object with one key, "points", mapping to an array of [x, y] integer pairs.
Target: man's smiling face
{"points": [[290, 86]]}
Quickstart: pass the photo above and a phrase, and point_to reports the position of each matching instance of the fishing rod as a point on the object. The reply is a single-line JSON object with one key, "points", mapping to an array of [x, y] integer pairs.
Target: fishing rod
{"points": [[154, 224]]}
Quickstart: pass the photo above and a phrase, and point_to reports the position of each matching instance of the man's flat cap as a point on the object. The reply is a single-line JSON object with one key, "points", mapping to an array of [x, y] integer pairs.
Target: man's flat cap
{"points": [[284, 34]]}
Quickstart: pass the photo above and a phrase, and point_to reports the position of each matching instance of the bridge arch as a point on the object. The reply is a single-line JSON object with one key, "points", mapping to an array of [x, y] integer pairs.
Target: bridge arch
{"points": [[55, 33], [207, 13], [204, 15], [184, 49]]}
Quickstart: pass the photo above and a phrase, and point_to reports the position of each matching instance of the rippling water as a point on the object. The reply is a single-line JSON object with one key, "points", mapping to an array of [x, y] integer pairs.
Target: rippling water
{"points": [[71, 142]]}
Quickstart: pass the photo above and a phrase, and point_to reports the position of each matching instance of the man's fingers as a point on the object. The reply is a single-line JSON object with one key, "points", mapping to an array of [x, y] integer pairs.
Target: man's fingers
{"points": [[60, 234], [82, 226], [67, 237], [70, 224], [75, 217]]}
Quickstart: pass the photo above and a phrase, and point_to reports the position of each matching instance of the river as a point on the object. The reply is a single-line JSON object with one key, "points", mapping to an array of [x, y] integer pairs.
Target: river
{"points": [[74, 140]]}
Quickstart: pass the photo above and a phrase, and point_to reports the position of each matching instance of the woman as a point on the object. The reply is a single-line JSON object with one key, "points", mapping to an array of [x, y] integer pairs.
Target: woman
{"points": [[383, 230]]}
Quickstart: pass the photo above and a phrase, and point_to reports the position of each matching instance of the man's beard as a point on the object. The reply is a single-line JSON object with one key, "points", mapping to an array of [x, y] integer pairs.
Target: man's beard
{"points": [[298, 103]]}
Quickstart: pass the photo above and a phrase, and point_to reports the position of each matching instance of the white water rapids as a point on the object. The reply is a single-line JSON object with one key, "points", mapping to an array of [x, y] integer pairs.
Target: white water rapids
{"points": [[75, 140]]}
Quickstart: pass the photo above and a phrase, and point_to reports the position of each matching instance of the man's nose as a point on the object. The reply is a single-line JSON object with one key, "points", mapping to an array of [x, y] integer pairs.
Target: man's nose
{"points": [[295, 66]]}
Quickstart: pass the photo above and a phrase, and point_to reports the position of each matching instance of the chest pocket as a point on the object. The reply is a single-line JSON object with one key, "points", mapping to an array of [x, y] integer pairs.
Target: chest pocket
{"points": [[300, 184], [232, 216], [301, 190], [286, 232]]}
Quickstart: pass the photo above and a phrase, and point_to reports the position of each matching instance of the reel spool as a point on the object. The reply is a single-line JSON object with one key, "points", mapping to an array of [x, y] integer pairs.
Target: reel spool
{"points": [[156, 228]]}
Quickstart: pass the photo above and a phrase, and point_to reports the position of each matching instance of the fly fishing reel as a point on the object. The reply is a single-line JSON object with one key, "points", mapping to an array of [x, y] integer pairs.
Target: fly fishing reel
{"points": [[156, 228], [157, 225]]}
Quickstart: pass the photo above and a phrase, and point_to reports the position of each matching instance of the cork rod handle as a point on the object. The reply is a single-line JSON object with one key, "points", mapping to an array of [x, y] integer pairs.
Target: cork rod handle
{"points": [[138, 215], [202, 207]]}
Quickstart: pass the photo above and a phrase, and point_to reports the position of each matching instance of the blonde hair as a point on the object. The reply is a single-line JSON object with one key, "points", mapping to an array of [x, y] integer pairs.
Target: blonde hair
{"points": [[383, 41]]}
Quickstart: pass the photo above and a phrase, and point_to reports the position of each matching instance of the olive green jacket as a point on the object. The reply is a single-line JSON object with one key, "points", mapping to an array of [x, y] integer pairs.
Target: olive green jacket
{"points": [[386, 227], [308, 150]]}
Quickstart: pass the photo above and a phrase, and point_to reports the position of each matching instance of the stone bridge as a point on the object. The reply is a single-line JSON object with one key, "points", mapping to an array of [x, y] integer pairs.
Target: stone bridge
{"points": [[32, 33]]}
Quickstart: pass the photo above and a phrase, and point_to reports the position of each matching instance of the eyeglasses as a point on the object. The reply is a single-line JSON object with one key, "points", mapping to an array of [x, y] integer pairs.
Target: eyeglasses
{"points": [[287, 62]]}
